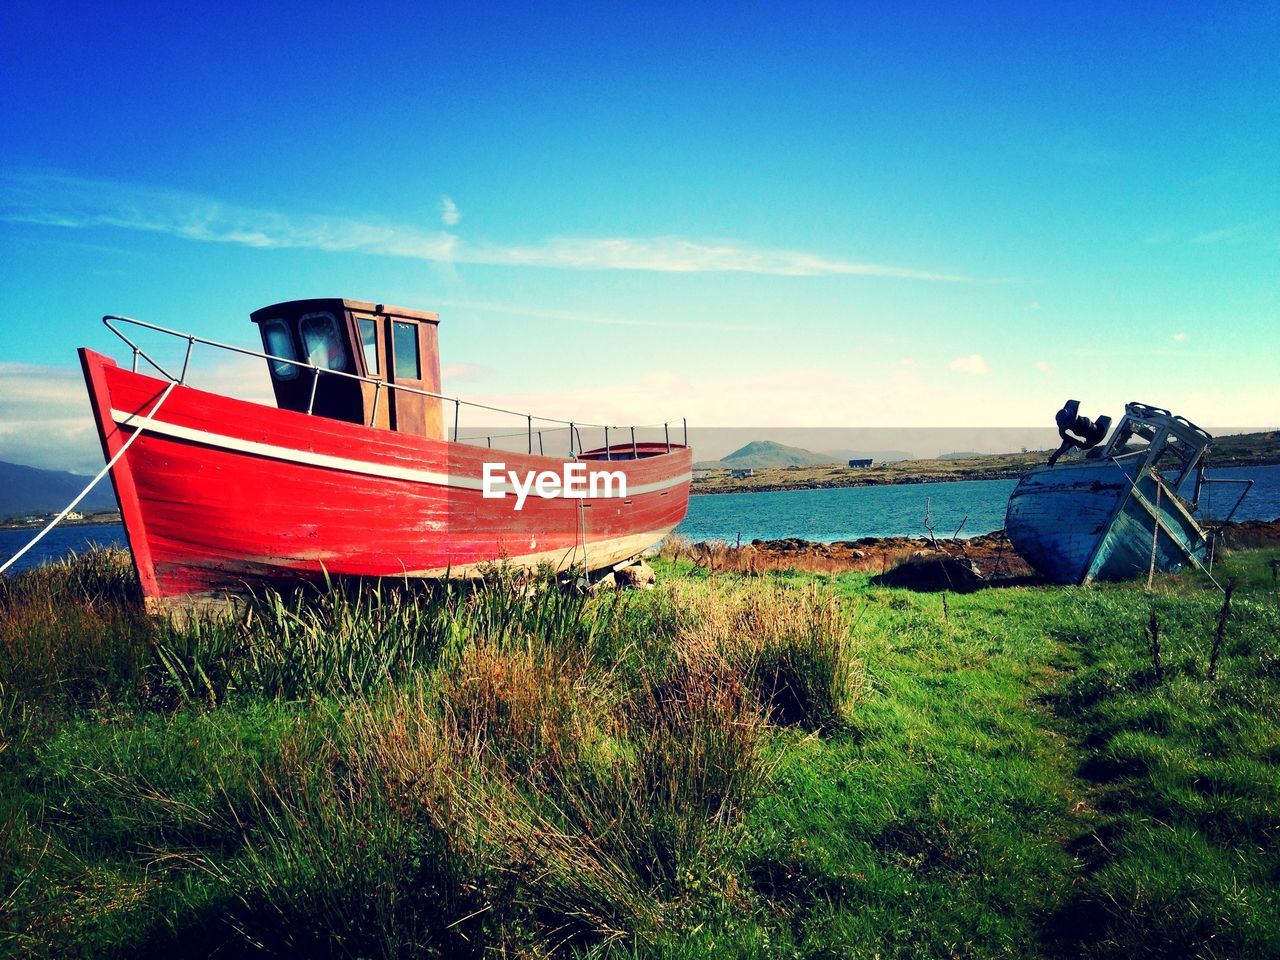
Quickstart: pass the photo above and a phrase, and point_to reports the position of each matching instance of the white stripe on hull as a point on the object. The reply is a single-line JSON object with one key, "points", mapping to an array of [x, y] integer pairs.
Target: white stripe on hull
{"points": [[348, 465]]}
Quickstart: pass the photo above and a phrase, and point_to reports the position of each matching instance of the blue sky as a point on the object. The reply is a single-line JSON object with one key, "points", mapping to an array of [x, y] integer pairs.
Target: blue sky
{"points": [[800, 214]]}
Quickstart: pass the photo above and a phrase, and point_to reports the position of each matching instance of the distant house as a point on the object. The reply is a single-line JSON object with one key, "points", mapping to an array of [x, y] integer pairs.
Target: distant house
{"points": [[860, 464], [742, 473]]}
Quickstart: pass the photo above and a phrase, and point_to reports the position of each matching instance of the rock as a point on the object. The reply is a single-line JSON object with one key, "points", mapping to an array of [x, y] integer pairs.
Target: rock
{"points": [[639, 576]]}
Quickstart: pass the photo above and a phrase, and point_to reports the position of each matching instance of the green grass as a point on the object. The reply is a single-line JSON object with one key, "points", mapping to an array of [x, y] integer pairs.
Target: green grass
{"points": [[787, 765]]}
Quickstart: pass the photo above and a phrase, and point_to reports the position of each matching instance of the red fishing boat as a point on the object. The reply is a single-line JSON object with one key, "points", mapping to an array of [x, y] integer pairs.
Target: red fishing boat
{"points": [[355, 471]]}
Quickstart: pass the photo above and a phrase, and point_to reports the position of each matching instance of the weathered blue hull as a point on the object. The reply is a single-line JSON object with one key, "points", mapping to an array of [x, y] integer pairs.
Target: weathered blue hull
{"points": [[1098, 520]]}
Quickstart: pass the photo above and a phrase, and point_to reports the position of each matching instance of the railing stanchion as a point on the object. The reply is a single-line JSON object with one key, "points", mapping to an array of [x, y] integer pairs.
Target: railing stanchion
{"points": [[191, 342], [635, 451], [608, 451], [377, 393], [488, 442], [666, 435], [135, 359], [571, 440], [530, 425], [457, 408], [315, 381], [686, 431], [540, 453]]}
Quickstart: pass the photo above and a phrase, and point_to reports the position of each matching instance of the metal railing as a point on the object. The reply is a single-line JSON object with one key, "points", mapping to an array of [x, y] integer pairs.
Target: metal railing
{"points": [[1224, 520], [574, 427]]}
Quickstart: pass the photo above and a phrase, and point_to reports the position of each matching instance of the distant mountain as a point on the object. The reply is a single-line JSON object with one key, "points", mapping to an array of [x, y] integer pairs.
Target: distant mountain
{"points": [[879, 456], [760, 454], [28, 490], [959, 455], [763, 454]]}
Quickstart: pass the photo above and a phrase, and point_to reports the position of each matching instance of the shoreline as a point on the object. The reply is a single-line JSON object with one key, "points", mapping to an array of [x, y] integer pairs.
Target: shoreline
{"points": [[991, 555], [97, 520], [775, 479]]}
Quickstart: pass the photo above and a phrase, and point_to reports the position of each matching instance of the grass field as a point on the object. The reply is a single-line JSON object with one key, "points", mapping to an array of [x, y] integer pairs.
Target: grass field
{"points": [[782, 765]]}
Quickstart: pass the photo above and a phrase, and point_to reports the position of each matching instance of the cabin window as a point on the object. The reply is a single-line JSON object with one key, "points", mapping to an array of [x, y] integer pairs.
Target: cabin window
{"points": [[278, 342], [369, 343], [405, 343], [322, 341]]}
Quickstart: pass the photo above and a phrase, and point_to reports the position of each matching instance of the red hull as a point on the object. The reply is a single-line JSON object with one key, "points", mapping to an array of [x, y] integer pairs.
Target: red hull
{"points": [[218, 493]]}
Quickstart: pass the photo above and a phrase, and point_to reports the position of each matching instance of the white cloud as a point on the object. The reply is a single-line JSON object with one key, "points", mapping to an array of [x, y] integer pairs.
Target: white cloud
{"points": [[453, 372], [974, 363], [678, 255], [45, 420], [801, 397], [907, 362], [1179, 337], [1033, 305], [805, 397], [1042, 366], [71, 202], [449, 212]]}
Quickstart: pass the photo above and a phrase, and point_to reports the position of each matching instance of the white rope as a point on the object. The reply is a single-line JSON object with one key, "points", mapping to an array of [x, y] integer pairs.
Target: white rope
{"points": [[137, 432]]}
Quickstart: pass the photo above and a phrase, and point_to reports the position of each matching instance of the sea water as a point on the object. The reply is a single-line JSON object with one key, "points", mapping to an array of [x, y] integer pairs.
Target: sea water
{"points": [[970, 507]]}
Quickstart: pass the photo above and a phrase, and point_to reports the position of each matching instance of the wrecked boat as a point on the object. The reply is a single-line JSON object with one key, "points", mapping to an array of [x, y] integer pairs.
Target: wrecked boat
{"points": [[356, 471], [1122, 510]]}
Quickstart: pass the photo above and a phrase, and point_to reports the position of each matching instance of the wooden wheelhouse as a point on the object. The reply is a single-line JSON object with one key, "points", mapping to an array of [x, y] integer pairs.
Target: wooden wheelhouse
{"points": [[386, 345]]}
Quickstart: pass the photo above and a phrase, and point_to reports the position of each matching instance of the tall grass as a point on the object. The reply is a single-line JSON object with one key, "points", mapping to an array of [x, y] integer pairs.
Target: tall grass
{"points": [[791, 647], [70, 631], [391, 770]]}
